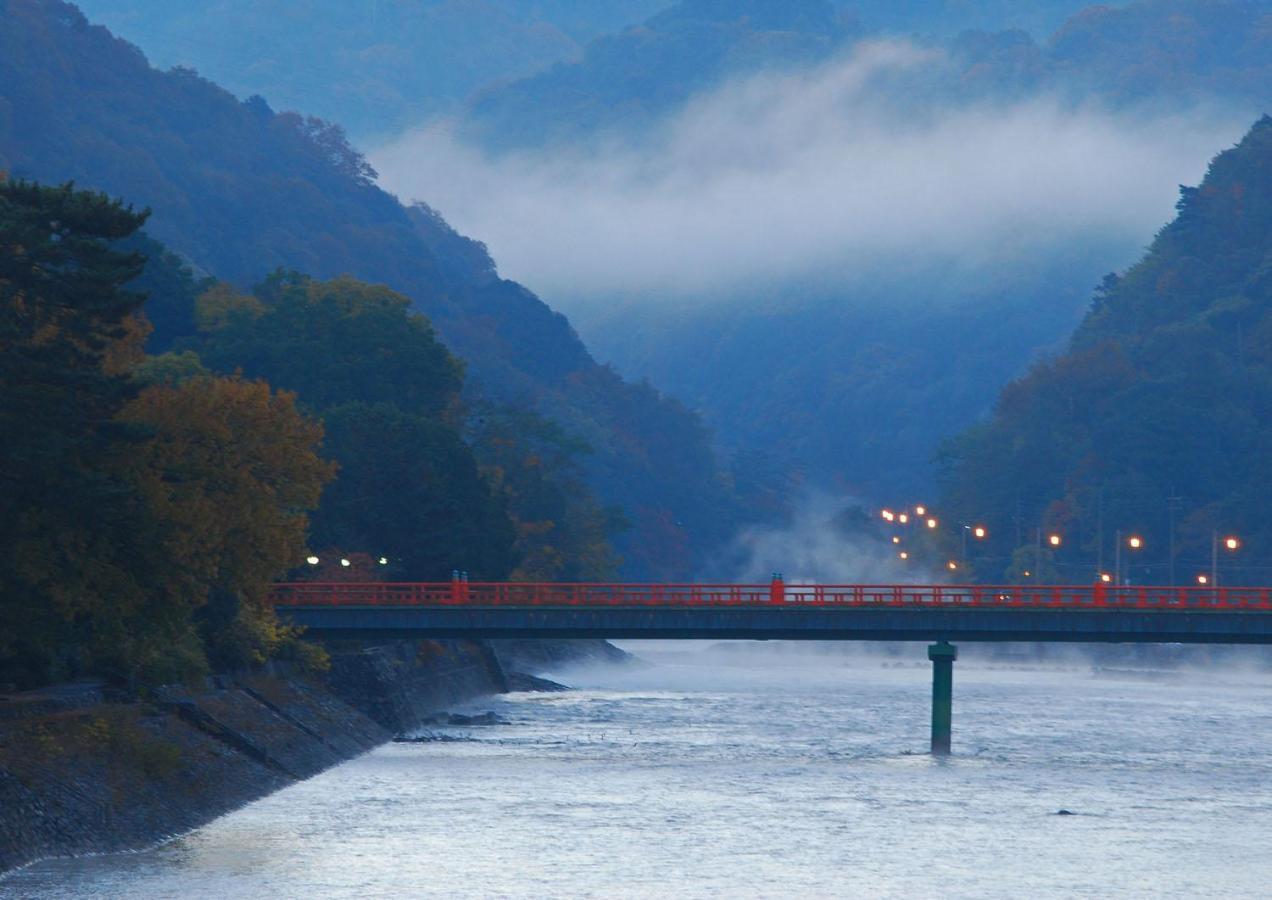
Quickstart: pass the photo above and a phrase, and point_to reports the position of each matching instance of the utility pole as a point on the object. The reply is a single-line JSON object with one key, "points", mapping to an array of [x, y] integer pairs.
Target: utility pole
{"points": [[1099, 533], [1170, 506], [1117, 556]]}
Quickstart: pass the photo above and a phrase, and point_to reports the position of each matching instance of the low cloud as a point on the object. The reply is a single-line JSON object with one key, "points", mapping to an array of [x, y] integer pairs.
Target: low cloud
{"points": [[781, 176], [814, 547]]}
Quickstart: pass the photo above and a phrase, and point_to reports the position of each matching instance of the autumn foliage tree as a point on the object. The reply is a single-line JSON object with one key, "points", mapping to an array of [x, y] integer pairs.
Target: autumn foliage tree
{"points": [[141, 524]]}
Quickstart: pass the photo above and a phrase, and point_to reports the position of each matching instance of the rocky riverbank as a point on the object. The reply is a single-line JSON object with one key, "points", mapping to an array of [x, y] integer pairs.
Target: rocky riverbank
{"points": [[82, 771]]}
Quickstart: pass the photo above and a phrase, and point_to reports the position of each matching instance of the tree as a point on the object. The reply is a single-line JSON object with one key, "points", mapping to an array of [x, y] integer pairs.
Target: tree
{"points": [[229, 475], [333, 342], [72, 524], [409, 490], [563, 533]]}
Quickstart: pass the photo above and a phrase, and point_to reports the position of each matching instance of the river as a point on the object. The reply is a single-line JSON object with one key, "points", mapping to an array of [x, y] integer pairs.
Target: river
{"points": [[768, 771]]}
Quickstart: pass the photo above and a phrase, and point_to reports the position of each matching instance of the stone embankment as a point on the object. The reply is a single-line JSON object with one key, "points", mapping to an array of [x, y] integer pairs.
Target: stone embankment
{"points": [[84, 772]]}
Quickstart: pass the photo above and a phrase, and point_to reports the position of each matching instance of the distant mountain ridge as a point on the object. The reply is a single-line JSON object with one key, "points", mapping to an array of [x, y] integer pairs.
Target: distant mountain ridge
{"points": [[375, 66]]}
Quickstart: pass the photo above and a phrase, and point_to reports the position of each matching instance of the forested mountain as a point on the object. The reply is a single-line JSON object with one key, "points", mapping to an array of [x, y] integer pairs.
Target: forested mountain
{"points": [[240, 191], [1159, 415], [375, 66]]}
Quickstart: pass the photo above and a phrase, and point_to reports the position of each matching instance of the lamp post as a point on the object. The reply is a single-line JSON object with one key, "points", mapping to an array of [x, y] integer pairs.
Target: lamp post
{"points": [[1134, 542], [1231, 543]]}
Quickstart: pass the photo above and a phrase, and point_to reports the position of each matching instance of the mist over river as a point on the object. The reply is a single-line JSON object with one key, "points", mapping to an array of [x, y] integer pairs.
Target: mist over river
{"points": [[768, 771]]}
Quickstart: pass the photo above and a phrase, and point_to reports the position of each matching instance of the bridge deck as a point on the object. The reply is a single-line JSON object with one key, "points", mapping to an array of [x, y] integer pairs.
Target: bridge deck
{"points": [[777, 611]]}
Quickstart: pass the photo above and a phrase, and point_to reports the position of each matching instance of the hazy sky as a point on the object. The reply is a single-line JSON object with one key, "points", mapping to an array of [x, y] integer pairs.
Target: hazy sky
{"points": [[777, 175]]}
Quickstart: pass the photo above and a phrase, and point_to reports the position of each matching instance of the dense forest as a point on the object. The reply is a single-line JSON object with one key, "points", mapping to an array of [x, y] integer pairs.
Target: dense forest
{"points": [[1156, 422], [143, 521], [309, 426], [240, 191]]}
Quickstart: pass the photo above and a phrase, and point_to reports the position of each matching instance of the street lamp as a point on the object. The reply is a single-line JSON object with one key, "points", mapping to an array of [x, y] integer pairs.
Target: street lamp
{"points": [[931, 523], [1134, 542], [312, 560], [1053, 540], [920, 510], [1231, 543], [903, 555], [903, 518]]}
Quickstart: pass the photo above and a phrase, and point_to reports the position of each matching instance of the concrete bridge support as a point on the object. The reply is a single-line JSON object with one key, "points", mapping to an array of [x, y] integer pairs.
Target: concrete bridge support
{"points": [[942, 655]]}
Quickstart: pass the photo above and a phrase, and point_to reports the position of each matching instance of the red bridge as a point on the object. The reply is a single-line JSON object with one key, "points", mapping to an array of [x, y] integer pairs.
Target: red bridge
{"points": [[517, 594], [779, 611]]}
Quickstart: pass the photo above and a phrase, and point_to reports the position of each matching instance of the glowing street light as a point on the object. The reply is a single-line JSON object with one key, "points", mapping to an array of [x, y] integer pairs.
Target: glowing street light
{"points": [[931, 523], [895, 539], [1105, 577], [951, 565], [344, 562], [920, 510], [1134, 542], [1203, 580], [384, 560], [887, 514], [903, 555], [979, 532], [1232, 543], [903, 518], [1053, 540], [312, 560]]}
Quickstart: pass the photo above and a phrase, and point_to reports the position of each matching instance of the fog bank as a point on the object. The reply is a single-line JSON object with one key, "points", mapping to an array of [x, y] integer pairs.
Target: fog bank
{"points": [[840, 167]]}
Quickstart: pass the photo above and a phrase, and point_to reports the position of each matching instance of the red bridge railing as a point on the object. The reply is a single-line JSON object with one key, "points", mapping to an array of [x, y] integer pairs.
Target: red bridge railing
{"points": [[486, 594]]}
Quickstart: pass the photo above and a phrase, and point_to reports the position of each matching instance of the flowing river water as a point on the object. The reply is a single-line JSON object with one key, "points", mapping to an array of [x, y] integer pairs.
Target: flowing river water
{"points": [[768, 771]]}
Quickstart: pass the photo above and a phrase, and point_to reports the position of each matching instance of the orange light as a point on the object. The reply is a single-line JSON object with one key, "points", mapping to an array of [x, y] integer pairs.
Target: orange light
{"points": [[1231, 543], [903, 518], [1106, 577], [951, 565], [1027, 573], [931, 523], [979, 532], [887, 514], [1053, 540], [920, 510], [903, 555], [1203, 579], [1135, 543]]}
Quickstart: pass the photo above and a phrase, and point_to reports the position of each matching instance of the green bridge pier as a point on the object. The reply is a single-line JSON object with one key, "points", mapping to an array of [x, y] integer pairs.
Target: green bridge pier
{"points": [[942, 654]]}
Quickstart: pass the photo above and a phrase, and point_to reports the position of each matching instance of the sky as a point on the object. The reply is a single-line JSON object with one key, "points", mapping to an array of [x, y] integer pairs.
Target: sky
{"points": [[772, 177]]}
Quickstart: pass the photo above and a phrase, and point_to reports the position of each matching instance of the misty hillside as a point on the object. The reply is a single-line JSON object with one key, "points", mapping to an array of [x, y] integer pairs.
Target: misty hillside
{"points": [[1164, 392], [1153, 50], [375, 66], [741, 141], [240, 191]]}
